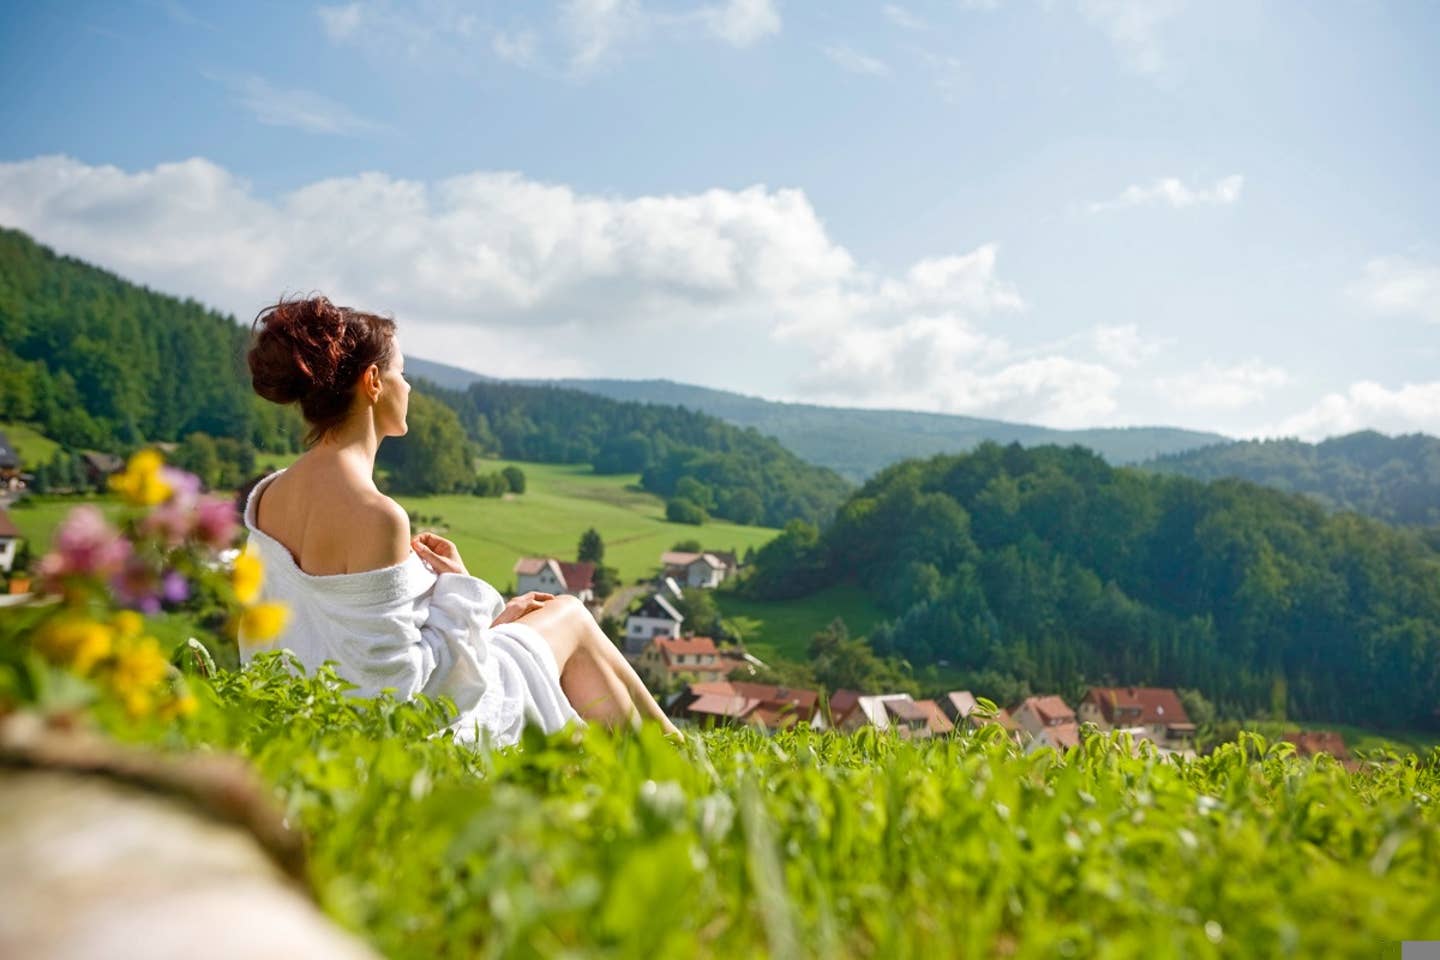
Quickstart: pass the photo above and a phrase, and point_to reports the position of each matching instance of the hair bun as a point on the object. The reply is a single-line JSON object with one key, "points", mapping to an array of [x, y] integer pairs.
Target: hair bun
{"points": [[300, 346], [312, 352]]}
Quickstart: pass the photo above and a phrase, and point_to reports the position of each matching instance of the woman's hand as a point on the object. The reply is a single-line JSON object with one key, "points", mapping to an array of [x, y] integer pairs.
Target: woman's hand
{"points": [[441, 554], [522, 605]]}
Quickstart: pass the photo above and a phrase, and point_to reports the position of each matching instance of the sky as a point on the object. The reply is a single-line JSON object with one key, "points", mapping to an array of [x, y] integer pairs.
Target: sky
{"points": [[1217, 215]]}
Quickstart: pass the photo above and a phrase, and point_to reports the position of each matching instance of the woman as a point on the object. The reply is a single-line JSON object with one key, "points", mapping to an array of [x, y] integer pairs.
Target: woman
{"points": [[395, 611]]}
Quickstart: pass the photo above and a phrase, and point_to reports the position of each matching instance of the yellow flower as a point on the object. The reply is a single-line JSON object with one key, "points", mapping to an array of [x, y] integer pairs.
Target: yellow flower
{"points": [[127, 623], [76, 642], [263, 622], [246, 578], [139, 668], [183, 705], [141, 484]]}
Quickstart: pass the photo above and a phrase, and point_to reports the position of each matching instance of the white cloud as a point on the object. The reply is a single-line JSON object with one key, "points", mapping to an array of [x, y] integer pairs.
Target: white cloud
{"points": [[1122, 344], [429, 30], [1366, 405], [741, 23], [1133, 27], [596, 28], [298, 109], [903, 18], [516, 48], [855, 62], [1174, 193], [1224, 388], [507, 257], [1400, 287]]}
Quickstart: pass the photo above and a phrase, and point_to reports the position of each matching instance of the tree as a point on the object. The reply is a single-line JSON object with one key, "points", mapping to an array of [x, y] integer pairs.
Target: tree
{"points": [[688, 546], [684, 511], [592, 548], [435, 456], [515, 477]]}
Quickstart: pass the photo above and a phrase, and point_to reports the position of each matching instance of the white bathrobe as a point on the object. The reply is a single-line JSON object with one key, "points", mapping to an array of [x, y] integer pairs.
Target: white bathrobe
{"points": [[406, 629]]}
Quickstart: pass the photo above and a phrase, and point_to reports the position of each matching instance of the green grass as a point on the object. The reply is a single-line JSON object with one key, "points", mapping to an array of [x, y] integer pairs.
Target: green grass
{"points": [[562, 501], [36, 517], [33, 448], [783, 628], [827, 845]]}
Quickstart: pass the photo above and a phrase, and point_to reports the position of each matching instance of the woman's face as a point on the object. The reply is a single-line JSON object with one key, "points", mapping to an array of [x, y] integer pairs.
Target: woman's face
{"points": [[394, 401]]}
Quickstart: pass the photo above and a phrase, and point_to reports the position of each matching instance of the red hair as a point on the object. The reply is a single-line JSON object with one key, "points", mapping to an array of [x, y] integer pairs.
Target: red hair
{"points": [[313, 352]]}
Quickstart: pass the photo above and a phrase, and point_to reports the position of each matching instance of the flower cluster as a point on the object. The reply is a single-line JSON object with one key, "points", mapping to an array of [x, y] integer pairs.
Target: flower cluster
{"points": [[108, 575]]}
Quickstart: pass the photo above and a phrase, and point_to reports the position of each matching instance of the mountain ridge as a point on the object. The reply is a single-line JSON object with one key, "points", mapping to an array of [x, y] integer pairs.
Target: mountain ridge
{"points": [[858, 442]]}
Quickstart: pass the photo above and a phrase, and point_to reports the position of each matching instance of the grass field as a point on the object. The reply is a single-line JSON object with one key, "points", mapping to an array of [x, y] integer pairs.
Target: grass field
{"points": [[1357, 739], [562, 501], [32, 448], [783, 628]]}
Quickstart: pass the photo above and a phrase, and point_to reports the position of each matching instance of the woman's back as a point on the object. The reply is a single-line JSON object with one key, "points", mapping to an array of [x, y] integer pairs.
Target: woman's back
{"points": [[330, 520]]}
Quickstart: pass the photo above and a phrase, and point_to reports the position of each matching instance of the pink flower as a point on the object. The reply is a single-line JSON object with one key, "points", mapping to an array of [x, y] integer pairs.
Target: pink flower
{"points": [[137, 585], [85, 544], [170, 522], [215, 522]]}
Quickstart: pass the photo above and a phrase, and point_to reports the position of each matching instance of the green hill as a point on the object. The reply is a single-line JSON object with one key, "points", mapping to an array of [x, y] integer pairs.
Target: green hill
{"points": [[1395, 479], [1050, 567]]}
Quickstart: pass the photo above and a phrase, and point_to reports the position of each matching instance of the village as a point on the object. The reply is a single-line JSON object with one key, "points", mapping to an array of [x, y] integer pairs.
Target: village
{"points": [[704, 683]]}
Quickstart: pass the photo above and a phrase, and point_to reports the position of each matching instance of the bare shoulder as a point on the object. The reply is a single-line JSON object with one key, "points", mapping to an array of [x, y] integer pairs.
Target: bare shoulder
{"points": [[383, 534]]}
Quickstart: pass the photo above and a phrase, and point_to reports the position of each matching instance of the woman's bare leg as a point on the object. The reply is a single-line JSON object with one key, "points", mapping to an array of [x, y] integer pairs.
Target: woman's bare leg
{"points": [[597, 679]]}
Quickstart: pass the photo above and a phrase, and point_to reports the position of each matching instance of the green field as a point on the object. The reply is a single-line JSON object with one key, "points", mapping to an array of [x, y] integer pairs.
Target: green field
{"points": [[783, 628], [32, 448], [560, 502]]}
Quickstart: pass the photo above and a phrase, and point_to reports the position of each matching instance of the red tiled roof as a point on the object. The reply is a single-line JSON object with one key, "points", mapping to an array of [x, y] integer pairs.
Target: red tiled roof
{"points": [[1064, 735], [577, 576], [906, 709], [529, 566], [1310, 742], [686, 645], [1050, 708], [722, 705], [935, 717], [841, 703], [1138, 705], [7, 526]]}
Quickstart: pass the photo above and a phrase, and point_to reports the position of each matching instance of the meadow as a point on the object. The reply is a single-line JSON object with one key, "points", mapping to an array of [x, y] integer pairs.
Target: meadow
{"points": [[560, 502], [818, 844]]}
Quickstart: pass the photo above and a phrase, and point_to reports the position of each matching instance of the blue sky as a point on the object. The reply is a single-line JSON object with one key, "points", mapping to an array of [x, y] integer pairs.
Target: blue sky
{"points": [[1076, 212]]}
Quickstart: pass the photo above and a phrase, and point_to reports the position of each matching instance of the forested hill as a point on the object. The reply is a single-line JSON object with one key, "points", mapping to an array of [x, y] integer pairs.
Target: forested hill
{"points": [[856, 443], [1395, 479], [1049, 566], [694, 460], [96, 361]]}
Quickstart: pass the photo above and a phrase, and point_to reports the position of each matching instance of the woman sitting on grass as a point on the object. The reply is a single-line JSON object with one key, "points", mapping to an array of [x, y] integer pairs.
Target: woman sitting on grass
{"points": [[392, 610]]}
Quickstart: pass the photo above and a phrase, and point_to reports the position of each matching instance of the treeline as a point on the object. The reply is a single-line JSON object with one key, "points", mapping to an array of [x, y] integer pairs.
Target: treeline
{"points": [[702, 465], [97, 362], [1050, 567], [1395, 479]]}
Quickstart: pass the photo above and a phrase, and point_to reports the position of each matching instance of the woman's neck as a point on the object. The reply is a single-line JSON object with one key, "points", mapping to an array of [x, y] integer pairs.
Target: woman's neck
{"points": [[352, 445]]}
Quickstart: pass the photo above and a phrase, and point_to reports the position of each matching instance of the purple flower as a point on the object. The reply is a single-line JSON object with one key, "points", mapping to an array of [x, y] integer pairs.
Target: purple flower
{"points": [[137, 585], [174, 587]]}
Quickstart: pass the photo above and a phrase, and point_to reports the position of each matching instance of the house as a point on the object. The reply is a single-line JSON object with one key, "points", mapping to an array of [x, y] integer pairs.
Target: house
{"points": [[935, 718], [1048, 722], [705, 570], [666, 657], [736, 702], [850, 710], [548, 575], [99, 466], [1154, 713], [10, 476], [959, 706], [1308, 743], [656, 617], [9, 541]]}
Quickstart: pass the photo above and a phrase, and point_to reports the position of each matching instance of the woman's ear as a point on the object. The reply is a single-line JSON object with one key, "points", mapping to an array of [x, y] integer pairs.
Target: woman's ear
{"points": [[372, 382]]}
